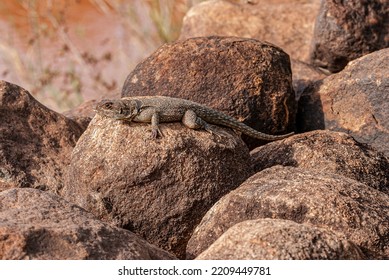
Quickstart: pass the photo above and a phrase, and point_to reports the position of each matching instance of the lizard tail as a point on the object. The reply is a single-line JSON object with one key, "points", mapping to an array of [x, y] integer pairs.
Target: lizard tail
{"points": [[249, 131], [231, 122]]}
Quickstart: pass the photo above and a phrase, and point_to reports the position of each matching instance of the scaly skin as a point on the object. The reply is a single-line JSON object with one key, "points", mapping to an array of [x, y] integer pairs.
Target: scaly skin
{"points": [[158, 109]]}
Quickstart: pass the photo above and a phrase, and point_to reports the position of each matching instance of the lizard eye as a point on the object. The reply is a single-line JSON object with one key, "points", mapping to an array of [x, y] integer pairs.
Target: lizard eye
{"points": [[107, 105], [121, 111]]}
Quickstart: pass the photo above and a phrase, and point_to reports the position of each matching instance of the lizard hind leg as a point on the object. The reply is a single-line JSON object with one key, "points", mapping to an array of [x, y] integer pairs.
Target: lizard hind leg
{"points": [[191, 120]]}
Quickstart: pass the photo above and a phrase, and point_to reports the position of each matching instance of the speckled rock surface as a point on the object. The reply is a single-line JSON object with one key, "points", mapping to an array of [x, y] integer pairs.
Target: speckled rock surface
{"points": [[288, 24], [38, 225], [354, 101], [346, 30], [329, 151], [274, 239], [312, 197], [35, 142], [159, 189]]}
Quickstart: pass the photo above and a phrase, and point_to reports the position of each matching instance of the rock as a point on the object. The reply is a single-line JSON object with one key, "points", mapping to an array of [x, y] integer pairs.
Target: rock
{"points": [[273, 239], [35, 142], [329, 151], [354, 101], [159, 189], [39, 225], [287, 24], [83, 113], [244, 78], [346, 30], [304, 75], [316, 198]]}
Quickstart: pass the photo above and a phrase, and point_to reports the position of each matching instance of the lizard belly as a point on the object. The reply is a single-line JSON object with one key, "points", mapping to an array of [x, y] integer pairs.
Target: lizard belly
{"points": [[171, 115], [168, 115]]}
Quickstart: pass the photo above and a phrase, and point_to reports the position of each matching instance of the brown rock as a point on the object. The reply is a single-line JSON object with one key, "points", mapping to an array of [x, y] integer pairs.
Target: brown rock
{"points": [[353, 101], [304, 75], [329, 151], [273, 239], [244, 78], [160, 189], [305, 196], [35, 142], [83, 113], [40, 225], [346, 30], [287, 24]]}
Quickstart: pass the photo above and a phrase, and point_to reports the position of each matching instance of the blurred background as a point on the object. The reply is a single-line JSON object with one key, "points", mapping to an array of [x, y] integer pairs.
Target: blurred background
{"points": [[65, 52]]}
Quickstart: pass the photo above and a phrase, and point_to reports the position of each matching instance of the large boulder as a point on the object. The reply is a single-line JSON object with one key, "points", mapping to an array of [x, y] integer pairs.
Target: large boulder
{"points": [[83, 113], [346, 30], [35, 142], [274, 239], [157, 188], [42, 226], [288, 24], [354, 101], [312, 197], [245, 78], [329, 151]]}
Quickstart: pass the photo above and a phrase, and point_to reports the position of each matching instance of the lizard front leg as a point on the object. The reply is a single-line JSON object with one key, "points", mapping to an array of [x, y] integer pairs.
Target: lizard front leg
{"points": [[149, 114], [155, 131]]}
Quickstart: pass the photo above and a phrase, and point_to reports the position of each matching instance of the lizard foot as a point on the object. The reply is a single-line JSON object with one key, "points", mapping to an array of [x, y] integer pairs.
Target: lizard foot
{"points": [[221, 134], [155, 132]]}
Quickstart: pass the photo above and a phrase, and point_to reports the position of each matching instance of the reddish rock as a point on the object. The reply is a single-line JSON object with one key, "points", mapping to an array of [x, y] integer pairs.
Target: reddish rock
{"points": [[35, 142], [273, 239], [354, 101], [244, 78], [42, 226], [285, 23], [304, 75], [157, 188], [329, 151], [311, 197], [346, 30], [83, 113]]}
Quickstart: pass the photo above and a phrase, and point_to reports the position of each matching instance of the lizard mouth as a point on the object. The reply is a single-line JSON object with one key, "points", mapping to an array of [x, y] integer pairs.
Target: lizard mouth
{"points": [[121, 117]]}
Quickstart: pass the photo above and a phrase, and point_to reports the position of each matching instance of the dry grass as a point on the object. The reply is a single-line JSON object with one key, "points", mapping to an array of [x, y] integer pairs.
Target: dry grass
{"points": [[52, 53]]}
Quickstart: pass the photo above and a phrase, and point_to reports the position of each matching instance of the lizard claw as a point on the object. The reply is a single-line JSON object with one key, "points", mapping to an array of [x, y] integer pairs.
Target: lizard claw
{"points": [[155, 132], [221, 134], [214, 130]]}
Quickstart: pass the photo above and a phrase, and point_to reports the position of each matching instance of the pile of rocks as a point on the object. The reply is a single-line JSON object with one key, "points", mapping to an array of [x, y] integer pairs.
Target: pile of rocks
{"points": [[73, 187]]}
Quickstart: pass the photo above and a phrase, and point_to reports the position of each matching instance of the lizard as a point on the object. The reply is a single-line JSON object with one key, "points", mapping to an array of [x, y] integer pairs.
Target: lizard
{"points": [[160, 109]]}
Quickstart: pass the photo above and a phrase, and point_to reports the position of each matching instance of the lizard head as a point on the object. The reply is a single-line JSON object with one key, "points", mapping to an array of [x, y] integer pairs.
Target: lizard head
{"points": [[117, 109]]}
